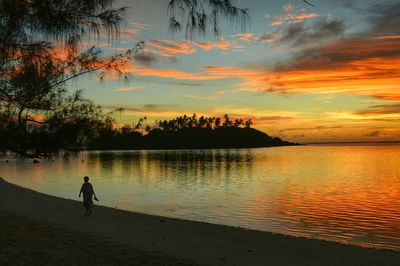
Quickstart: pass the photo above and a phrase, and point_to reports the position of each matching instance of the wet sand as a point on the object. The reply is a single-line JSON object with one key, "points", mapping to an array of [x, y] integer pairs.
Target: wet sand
{"points": [[26, 242], [49, 229]]}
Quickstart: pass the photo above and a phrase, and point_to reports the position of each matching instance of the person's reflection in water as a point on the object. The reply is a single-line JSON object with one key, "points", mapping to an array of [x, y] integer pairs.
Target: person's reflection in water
{"points": [[88, 195]]}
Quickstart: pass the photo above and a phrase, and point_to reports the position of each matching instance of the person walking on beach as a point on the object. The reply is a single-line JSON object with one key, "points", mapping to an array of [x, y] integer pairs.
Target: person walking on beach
{"points": [[88, 195]]}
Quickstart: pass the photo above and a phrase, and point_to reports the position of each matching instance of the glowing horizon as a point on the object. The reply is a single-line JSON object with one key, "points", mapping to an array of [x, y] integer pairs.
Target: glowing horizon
{"points": [[329, 73]]}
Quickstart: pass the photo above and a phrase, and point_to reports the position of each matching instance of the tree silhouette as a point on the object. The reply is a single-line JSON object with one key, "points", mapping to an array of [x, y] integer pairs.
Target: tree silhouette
{"points": [[185, 132], [201, 16], [39, 53], [248, 123], [217, 122], [40, 50]]}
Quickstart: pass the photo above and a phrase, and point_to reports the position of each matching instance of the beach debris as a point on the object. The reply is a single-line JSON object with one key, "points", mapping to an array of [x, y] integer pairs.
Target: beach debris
{"points": [[36, 161]]}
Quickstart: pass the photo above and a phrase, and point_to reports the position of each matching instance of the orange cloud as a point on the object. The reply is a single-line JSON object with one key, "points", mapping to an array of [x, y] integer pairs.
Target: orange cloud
{"points": [[252, 79], [129, 88], [373, 76], [168, 73], [60, 53], [293, 18], [168, 48], [278, 23], [359, 67], [390, 37], [244, 37], [208, 46], [368, 66], [267, 37], [352, 67], [293, 14], [129, 32]]}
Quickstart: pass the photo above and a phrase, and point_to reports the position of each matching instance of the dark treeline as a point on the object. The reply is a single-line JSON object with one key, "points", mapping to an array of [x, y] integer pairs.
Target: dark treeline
{"points": [[41, 51], [186, 132]]}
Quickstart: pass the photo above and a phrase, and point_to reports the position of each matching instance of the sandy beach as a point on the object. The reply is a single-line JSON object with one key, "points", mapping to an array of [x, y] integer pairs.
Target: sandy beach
{"points": [[42, 229]]}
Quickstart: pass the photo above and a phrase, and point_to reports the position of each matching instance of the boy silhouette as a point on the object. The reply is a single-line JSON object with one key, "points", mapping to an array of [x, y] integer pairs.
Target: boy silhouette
{"points": [[88, 193]]}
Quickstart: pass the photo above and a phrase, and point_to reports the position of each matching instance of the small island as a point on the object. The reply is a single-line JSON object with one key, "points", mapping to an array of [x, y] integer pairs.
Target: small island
{"points": [[186, 132]]}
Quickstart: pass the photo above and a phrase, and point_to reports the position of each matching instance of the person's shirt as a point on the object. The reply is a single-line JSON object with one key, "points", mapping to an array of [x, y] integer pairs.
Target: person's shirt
{"points": [[87, 189]]}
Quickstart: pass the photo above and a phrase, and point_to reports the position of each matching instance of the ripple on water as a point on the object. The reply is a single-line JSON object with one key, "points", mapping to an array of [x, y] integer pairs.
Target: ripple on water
{"points": [[340, 193]]}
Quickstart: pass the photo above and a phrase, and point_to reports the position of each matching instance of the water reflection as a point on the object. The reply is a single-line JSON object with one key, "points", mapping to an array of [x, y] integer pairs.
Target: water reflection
{"points": [[187, 166], [339, 193]]}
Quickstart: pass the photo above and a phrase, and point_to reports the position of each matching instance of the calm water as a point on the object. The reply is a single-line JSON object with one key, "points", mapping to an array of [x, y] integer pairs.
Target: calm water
{"points": [[349, 194]]}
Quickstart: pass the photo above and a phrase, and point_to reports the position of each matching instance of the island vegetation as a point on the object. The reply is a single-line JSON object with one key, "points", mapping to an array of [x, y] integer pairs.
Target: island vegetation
{"points": [[186, 132], [41, 52]]}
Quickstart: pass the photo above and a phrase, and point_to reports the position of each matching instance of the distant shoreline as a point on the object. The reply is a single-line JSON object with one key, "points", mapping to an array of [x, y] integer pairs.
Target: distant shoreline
{"points": [[203, 243], [351, 142], [190, 148], [189, 138]]}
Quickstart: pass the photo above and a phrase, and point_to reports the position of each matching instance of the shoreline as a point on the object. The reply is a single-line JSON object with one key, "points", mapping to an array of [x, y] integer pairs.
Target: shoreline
{"points": [[202, 243]]}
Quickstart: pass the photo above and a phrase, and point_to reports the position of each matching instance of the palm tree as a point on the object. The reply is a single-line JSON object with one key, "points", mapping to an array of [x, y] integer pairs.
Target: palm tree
{"points": [[238, 122], [209, 122], [217, 122], [227, 122], [248, 123], [202, 121], [30, 31]]}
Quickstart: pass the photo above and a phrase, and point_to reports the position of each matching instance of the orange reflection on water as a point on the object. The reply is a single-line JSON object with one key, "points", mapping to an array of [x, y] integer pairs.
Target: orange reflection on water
{"points": [[340, 193], [351, 198]]}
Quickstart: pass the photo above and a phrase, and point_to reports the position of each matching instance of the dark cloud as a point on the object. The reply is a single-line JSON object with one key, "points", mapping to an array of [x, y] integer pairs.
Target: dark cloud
{"points": [[266, 118], [375, 133], [382, 95], [303, 34], [151, 106], [382, 16], [146, 59], [189, 84], [379, 40], [149, 59], [386, 18], [268, 37], [337, 54], [381, 109], [146, 107], [318, 128]]}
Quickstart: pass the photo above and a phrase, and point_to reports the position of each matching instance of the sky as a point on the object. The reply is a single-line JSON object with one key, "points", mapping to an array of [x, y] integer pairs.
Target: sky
{"points": [[329, 73]]}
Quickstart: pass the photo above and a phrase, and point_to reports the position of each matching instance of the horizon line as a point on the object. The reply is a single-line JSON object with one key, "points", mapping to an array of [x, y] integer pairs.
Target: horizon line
{"points": [[354, 142]]}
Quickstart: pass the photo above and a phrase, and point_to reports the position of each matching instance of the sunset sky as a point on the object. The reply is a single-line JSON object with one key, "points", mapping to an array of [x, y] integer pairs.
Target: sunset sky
{"points": [[305, 74]]}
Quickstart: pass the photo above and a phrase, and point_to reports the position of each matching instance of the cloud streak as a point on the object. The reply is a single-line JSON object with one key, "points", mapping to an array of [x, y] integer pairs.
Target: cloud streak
{"points": [[387, 109], [129, 88], [300, 35], [293, 18], [293, 14], [367, 66], [168, 48]]}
